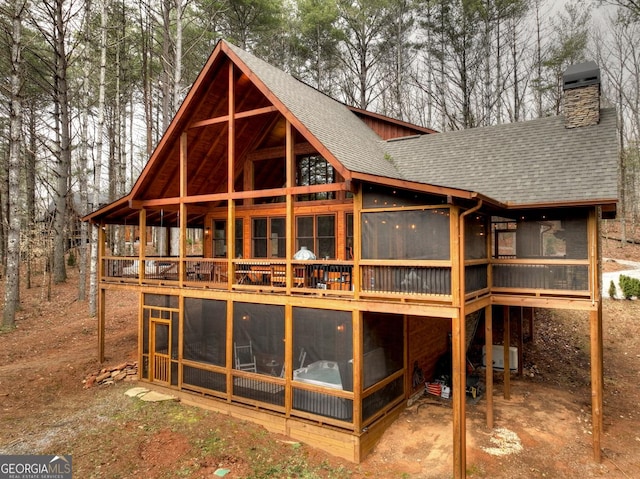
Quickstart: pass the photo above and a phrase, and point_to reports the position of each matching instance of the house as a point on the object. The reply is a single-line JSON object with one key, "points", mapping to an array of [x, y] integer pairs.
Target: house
{"points": [[345, 253]]}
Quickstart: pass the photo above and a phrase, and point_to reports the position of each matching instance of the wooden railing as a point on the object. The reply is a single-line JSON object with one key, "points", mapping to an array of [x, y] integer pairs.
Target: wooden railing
{"points": [[552, 275], [391, 278], [408, 280], [333, 276]]}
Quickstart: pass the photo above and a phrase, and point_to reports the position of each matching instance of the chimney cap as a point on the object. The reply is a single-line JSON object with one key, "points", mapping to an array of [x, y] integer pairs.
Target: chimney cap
{"points": [[581, 74]]}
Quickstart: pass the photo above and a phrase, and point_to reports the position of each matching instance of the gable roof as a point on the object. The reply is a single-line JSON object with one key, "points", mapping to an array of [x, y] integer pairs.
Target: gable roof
{"points": [[532, 163], [528, 163], [330, 122]]}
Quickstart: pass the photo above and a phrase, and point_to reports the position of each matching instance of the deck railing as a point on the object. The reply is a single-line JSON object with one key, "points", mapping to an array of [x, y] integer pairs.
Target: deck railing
{"points": [[408, 280], [336, 277], [571, 276]]}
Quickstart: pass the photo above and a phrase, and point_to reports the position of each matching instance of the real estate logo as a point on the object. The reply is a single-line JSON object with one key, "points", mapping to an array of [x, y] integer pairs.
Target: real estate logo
{"points": [[35, 467]]}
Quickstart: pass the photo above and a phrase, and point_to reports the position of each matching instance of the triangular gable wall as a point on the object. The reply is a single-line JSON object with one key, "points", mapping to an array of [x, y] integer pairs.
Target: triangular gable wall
{"points": [[259, 118]]}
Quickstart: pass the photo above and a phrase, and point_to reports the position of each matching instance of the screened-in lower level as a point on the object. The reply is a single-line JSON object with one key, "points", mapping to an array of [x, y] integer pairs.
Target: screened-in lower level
{"points": [[340, 367]]}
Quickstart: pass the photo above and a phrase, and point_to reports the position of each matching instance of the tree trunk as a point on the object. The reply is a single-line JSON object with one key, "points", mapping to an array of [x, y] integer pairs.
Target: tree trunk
{"points": [[30, 188], [166, 64], [177, 67], [147, 97], [83, 159], [12, 281], [93, 279], [538, 90], [63, 163]]}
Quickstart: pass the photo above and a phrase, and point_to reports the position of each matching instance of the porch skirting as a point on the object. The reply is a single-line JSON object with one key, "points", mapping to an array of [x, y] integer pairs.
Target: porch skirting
{"points": [[349, 445]]}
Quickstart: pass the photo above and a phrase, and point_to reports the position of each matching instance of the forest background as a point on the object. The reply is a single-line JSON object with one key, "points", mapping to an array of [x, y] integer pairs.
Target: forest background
{"points": [[87, 88]]}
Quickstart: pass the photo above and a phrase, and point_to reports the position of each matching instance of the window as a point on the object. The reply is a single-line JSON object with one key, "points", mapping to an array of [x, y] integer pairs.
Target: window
{"points": [[268, 237], [317, 233], [314, 170], [220, 237], [305, 233], [349, 239]]}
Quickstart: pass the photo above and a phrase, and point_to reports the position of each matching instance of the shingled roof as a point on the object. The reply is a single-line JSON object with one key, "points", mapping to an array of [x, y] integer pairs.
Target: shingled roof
{"points": [[332, 123], [526, 163], [533, 163]]}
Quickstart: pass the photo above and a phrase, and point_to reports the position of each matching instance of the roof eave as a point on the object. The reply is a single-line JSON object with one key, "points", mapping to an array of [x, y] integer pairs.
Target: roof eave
{"points": [[604, 202], [94, 217], [428, 188]]}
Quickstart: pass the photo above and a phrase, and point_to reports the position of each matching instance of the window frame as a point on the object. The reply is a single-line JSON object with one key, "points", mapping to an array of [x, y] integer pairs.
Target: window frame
{"points": [[317, 238]]}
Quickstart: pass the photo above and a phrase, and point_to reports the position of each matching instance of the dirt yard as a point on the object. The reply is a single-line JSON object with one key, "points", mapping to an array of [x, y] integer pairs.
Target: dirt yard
{"points": [[543, 431]]}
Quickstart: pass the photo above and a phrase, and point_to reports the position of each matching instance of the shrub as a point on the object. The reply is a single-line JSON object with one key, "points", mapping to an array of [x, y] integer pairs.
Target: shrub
{"points": [[630, 286], [612, 290]]}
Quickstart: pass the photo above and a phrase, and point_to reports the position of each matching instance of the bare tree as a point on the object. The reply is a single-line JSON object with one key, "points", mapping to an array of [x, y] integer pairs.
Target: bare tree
{"points": [[619, 58], [365, 25], [12, 281], [83, 151], [97, 179], [53, 20]]}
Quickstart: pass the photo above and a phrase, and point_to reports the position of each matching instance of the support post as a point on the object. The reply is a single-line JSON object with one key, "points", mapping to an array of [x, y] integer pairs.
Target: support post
{"points": [[101, 324], [459, 342], [596, 381], [101, 293], [488, 334], [506, 340], [231, 161], [520, 327], [182, 242], [459, 397], [290, 168], [595, 321]]}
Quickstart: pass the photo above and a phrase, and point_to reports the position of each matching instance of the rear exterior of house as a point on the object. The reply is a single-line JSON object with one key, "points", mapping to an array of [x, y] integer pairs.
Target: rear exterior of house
{"points": [[306, 265]]}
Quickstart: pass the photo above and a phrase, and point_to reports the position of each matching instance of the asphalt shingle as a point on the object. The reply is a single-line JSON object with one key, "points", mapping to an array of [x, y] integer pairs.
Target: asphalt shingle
{"points": [[352, 142], [532, 162], [525, 163]]}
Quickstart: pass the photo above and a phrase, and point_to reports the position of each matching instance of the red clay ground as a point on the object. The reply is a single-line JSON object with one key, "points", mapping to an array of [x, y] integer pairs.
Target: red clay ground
{"points": [[543, 431]]}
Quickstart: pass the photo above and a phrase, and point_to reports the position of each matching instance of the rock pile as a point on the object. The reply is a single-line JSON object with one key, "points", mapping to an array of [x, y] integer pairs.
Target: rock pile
{"points": [[122, 372]]}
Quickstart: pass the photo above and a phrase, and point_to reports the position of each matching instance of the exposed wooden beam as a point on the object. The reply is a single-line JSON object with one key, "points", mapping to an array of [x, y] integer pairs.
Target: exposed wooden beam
{"points": [[290, 227], [225, 118], [544, 302], [280, 152], [231, 130], [296, 123], [297, 190]]}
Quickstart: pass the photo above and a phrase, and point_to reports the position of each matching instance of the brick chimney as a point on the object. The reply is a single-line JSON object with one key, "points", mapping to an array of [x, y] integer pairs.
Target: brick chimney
{"points": [[581, 85]]}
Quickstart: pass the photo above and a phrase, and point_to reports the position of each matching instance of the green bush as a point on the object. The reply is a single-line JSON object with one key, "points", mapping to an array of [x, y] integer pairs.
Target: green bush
{"points": [[612, 290], [630, 286]]}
